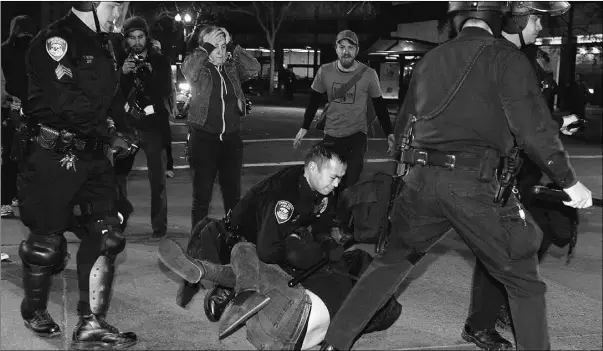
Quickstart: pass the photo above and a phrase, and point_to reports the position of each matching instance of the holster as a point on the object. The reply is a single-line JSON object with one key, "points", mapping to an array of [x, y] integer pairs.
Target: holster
{"points": [[23, 140]]}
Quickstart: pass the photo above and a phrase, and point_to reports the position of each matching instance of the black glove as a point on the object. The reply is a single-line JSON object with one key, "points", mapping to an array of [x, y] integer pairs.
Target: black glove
{"points": [[332, 249]]}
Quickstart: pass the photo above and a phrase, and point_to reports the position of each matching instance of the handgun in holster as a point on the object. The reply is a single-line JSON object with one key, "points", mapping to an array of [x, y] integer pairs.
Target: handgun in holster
{"points": [[397, 183], [507, 171], [25, 132]]}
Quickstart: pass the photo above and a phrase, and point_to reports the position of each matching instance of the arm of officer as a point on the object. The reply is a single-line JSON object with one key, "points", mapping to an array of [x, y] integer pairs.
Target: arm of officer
{"points": [[270, 242], [407, 109], [191, 67], [302, 252], [530, 119], [247, 65], [61, 89]]}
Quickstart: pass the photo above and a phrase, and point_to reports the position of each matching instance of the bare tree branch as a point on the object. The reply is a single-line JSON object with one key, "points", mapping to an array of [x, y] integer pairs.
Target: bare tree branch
{"points": [[282, 15]]}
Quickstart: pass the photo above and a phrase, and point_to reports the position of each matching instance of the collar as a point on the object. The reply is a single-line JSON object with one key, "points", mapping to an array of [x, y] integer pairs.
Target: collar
{"points": [[475, 32], [80, 22], [305, 191]]}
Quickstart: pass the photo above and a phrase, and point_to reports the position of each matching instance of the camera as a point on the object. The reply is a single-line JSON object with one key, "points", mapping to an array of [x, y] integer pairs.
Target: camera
{"points": [[138, 59]]}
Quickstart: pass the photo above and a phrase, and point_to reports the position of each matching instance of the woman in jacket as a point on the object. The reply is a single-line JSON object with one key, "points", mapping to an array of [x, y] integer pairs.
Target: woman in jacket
{"points": [[215, 70]]}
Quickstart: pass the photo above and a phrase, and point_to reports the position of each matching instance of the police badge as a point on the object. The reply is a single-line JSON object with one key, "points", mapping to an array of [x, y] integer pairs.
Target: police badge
{"points": [[56, 47], [283, 211]]}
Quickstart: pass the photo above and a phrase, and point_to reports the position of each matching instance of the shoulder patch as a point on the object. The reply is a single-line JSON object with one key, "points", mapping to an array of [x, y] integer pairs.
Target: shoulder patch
{"points": [[56, 47], [283, 211]]}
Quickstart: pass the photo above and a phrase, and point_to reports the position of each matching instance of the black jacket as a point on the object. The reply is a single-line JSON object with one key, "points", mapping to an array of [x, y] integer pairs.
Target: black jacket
{"points": [[499, 102], [158, 88], [72, 78]]}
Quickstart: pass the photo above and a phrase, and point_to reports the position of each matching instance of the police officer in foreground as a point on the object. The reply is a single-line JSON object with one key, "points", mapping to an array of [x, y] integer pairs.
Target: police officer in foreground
{"points": [[488, 299], [468, 101], [72, 80]]}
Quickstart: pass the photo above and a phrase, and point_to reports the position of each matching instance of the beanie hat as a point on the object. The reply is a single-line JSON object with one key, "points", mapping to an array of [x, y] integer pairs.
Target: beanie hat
{"points": [[135, 23]]}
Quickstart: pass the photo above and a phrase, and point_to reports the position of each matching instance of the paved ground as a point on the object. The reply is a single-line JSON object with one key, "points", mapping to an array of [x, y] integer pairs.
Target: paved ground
{"points": [[434, 305]]}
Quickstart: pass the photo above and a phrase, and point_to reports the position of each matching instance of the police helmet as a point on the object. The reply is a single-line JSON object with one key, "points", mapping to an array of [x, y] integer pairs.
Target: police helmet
{"points": [[517, 18], [491, 12]]}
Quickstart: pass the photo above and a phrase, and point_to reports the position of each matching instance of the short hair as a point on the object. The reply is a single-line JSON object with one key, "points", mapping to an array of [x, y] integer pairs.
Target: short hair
{"points": [[206, 30], [321, 154]]}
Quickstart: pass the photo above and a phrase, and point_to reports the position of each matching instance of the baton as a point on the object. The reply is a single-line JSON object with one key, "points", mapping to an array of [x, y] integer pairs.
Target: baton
{"points": [[305, 275], [547, 194]]}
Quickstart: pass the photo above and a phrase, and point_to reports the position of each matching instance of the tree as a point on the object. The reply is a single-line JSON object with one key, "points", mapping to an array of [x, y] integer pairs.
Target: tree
{"points": [[270, 16]]}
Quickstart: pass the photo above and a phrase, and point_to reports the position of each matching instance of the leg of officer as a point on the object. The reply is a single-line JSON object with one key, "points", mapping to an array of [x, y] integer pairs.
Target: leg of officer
{"points": [[229, 172], [45, 193], [507, 250], [417, 225], [487, 297], [96, 261], [204, 155], [154, 150]]}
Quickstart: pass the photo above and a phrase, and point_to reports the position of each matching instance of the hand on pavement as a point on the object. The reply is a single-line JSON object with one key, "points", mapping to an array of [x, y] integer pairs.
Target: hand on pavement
{"points": [[580, 196], [298, 138]]}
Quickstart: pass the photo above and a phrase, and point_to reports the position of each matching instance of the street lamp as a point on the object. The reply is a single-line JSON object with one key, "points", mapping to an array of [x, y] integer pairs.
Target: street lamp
{"points": [[187, 18], [178, 18]]}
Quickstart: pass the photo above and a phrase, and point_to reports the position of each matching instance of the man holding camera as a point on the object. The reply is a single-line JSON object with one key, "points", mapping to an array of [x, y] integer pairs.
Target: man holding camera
{"points": [[146, 81]]}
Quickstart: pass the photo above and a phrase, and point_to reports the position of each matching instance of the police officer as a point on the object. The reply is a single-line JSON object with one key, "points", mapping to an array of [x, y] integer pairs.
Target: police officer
{"points": [[521, 27], [72, 79], [467, 102], [282, 202]]}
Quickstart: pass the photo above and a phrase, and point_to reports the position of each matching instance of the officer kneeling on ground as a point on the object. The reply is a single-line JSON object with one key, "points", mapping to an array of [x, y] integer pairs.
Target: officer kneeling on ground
{"points": [[73, 76], [287, 220]]}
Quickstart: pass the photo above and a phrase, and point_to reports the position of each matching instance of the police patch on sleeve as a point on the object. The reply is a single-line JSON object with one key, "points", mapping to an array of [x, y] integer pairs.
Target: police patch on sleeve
{"points": [[283, 211], [56, 47]]}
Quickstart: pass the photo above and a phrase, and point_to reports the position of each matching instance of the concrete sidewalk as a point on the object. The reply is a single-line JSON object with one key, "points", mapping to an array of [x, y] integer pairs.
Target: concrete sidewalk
{"points": [[434, 306]]}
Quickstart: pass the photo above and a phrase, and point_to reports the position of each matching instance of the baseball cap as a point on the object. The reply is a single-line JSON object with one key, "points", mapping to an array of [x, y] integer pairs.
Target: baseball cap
{"points": [[348, 35]]}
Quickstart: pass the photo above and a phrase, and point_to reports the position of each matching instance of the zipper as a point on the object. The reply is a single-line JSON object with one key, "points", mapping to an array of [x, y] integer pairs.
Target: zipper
{"points": [[223, 90]]}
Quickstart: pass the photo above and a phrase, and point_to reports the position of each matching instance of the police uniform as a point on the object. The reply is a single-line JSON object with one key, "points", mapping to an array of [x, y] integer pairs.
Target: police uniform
{"points": [[72, 80], [290, 225], [467, 117]]}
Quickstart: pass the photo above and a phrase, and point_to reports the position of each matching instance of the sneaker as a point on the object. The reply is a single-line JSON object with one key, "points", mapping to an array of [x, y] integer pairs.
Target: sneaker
{"points": [[7, 211], [4, 257], [169, 173]]}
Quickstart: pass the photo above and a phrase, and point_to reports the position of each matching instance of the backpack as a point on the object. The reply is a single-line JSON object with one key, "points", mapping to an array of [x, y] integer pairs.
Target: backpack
{"points": [[364, 207]]}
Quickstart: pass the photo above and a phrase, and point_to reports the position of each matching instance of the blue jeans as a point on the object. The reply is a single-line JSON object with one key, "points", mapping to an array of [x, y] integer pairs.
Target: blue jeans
{"points": [[279, 325]]}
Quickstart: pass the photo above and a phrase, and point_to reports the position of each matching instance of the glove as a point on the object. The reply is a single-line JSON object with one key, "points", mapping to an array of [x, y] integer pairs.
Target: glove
{"points": [[332, 249]]}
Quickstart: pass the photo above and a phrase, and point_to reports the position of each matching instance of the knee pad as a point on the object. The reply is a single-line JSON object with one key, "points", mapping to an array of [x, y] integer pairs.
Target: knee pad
{"points": [[44, 251]]}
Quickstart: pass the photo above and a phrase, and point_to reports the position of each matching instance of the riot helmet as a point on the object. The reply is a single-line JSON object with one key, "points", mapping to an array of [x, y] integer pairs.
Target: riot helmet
{"points": [[519, 15], [491, 12]]}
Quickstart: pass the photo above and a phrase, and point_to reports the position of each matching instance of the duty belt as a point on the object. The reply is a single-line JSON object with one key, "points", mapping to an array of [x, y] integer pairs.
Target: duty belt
{"points": [[450, 160], [62, 141]]}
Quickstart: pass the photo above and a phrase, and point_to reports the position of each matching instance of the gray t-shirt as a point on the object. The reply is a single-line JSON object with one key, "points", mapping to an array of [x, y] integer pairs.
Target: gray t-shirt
{"points": [[347, 115]]}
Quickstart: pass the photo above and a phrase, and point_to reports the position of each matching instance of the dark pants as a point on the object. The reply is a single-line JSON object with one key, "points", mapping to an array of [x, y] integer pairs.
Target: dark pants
{"points": [[152, 144], [47, 195], [433, 201], [170, 158], [210, 156], [352, 149], [555, 221], [9, 168]]}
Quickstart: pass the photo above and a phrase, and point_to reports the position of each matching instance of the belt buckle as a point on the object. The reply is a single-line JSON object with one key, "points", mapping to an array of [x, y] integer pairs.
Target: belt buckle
{"points": [[421, 158], [451, 162]]}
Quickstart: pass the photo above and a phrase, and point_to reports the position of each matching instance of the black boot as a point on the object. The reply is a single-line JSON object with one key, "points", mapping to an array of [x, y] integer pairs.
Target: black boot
{"points": [[93, 332], [244, 306], [186, 292], [487, 339], [216, 301], [36, 285]]}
